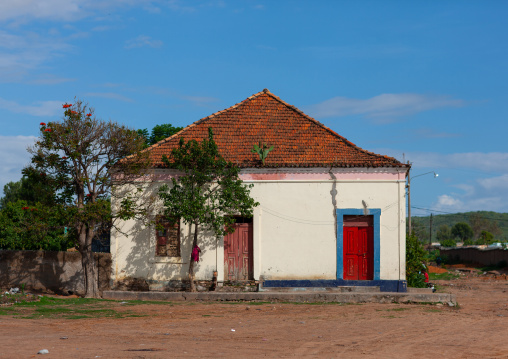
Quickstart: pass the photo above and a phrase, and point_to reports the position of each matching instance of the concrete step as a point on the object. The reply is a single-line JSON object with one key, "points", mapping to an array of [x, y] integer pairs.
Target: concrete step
{"points": [[300, 297], [342, 289]]}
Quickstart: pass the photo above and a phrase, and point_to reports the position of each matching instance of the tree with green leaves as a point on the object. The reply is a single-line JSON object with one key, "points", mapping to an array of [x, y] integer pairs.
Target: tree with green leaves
{"points": [[82, 156], [209, 192], [159, 132], [480, 223], [35, 227], [485, 238], [463, 231], [444, 233], [33, 187], [415, 256], [420, 231]]}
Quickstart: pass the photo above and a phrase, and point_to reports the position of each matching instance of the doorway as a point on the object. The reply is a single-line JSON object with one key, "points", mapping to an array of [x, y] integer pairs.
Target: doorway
{"points": [[238, 252], [358, 255]]}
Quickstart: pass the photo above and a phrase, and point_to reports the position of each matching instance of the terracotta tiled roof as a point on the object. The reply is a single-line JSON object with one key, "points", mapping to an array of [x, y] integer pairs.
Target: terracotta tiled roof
{"points": [[298, 140]]}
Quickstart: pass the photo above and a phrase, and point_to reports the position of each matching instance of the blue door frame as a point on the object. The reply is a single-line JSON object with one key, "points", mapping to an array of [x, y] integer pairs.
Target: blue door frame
{"points": [[376, 213]]}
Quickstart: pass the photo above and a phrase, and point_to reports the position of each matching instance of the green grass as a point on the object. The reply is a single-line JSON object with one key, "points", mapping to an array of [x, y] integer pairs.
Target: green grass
{"points": [[68, 308], [443, 276]]}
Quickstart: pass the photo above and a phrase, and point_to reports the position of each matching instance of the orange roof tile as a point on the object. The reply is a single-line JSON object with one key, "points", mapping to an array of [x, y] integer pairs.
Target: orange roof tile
{"points": [[298, 140]]}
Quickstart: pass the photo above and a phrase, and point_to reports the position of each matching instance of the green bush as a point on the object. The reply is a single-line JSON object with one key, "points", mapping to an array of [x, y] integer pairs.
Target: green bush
{"points": [[449, 243], [415, 256]]}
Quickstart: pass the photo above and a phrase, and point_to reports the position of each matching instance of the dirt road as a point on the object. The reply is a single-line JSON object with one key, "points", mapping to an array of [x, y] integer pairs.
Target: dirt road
{"points": [[477, 329]]}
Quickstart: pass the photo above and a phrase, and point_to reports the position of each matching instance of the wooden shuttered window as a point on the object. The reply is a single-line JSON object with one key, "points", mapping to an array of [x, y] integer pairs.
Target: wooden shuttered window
{"points": [[167, 234]]}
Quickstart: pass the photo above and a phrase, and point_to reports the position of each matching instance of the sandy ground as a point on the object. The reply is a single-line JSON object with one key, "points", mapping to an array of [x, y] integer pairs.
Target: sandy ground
{"points": [[477, 329]]}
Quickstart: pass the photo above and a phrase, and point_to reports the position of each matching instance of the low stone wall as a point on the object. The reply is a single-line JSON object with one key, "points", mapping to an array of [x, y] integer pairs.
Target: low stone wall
{"points": [[58, 272], [474, 255]]}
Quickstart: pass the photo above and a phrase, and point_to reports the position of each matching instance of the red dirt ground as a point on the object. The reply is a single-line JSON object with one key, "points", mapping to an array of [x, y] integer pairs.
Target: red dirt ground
{"points": [[433, 269], [477, 329]]}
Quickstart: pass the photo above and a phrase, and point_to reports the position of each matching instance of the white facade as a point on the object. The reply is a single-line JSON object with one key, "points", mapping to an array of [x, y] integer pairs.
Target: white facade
{"points": [[294, 227]]}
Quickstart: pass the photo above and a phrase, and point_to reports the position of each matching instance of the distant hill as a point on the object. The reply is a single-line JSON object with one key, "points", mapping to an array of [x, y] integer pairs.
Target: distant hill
{"points": [[451, 219]]}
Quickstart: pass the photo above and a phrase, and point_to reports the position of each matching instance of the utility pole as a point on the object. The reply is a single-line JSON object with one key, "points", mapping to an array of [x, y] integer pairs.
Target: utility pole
{"points": [[430, 234], [409, 199]]}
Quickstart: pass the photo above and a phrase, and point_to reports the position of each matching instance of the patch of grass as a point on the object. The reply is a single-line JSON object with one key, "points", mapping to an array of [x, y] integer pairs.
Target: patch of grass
{"points": [[67, 308], [7, 298], [73, 313], [489, 268], [443, 276], [433, 310], [8, 311], [397, 309]]}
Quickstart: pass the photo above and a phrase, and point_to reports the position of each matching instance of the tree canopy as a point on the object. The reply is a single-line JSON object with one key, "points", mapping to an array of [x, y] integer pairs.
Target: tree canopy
{"points": [[159, 132], [208, 193], [81, 155], [462, 231]]}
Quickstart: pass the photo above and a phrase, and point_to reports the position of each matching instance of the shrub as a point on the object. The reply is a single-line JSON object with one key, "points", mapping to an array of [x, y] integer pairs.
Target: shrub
{"points": [[415, 256], [448, 243]]}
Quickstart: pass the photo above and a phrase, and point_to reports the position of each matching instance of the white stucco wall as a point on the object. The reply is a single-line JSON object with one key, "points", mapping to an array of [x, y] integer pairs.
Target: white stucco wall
{"points": [[294, 228]]}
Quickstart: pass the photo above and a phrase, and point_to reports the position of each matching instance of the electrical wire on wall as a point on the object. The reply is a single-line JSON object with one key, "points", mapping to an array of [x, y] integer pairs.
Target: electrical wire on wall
{"points": [[317, 222]]}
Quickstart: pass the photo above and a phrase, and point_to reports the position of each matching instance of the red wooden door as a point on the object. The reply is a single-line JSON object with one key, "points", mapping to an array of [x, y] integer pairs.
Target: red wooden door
{"points": [[238, 253], [358, 253]]}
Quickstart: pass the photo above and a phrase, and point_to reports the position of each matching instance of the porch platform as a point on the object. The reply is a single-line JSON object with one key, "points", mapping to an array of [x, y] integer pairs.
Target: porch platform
{"points": [[300, 296]]}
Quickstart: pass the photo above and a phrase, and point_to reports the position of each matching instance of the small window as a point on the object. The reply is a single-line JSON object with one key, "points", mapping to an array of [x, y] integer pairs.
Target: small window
{"points": [[167, 235]]}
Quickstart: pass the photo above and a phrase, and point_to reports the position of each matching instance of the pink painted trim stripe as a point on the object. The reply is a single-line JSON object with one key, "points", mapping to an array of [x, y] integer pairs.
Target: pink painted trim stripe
{"points": [[320, 176]]}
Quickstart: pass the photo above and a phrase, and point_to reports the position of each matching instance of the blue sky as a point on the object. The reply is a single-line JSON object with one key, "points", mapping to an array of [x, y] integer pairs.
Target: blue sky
{"points": [[424, 81]]}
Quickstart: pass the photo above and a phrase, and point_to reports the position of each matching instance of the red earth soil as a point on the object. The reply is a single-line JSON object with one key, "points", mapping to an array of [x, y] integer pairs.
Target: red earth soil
{"points": [[477, 328]]}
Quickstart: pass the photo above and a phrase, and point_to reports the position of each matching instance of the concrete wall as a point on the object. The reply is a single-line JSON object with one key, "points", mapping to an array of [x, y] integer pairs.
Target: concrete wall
{"points": [[295, 234], [59, 272], [474, 255]]}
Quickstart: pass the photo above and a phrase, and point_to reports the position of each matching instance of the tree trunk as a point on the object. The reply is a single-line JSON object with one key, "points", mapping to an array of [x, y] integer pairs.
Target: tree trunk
{"points": [[191, 263], [88, 262]]}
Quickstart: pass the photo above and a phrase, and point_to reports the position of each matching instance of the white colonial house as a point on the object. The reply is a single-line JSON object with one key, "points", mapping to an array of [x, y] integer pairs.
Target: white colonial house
{"points": [[330, 213]]}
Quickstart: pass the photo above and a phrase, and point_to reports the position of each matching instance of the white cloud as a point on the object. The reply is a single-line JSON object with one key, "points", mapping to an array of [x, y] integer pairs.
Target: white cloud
{"points": [[13, 157], [488, 194], [467, 181], [384, 107], [63, 10], [41, 9], [448, 201], [477, 161], [499, 183], [20, 54], [142, 41], [39, 108]]}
